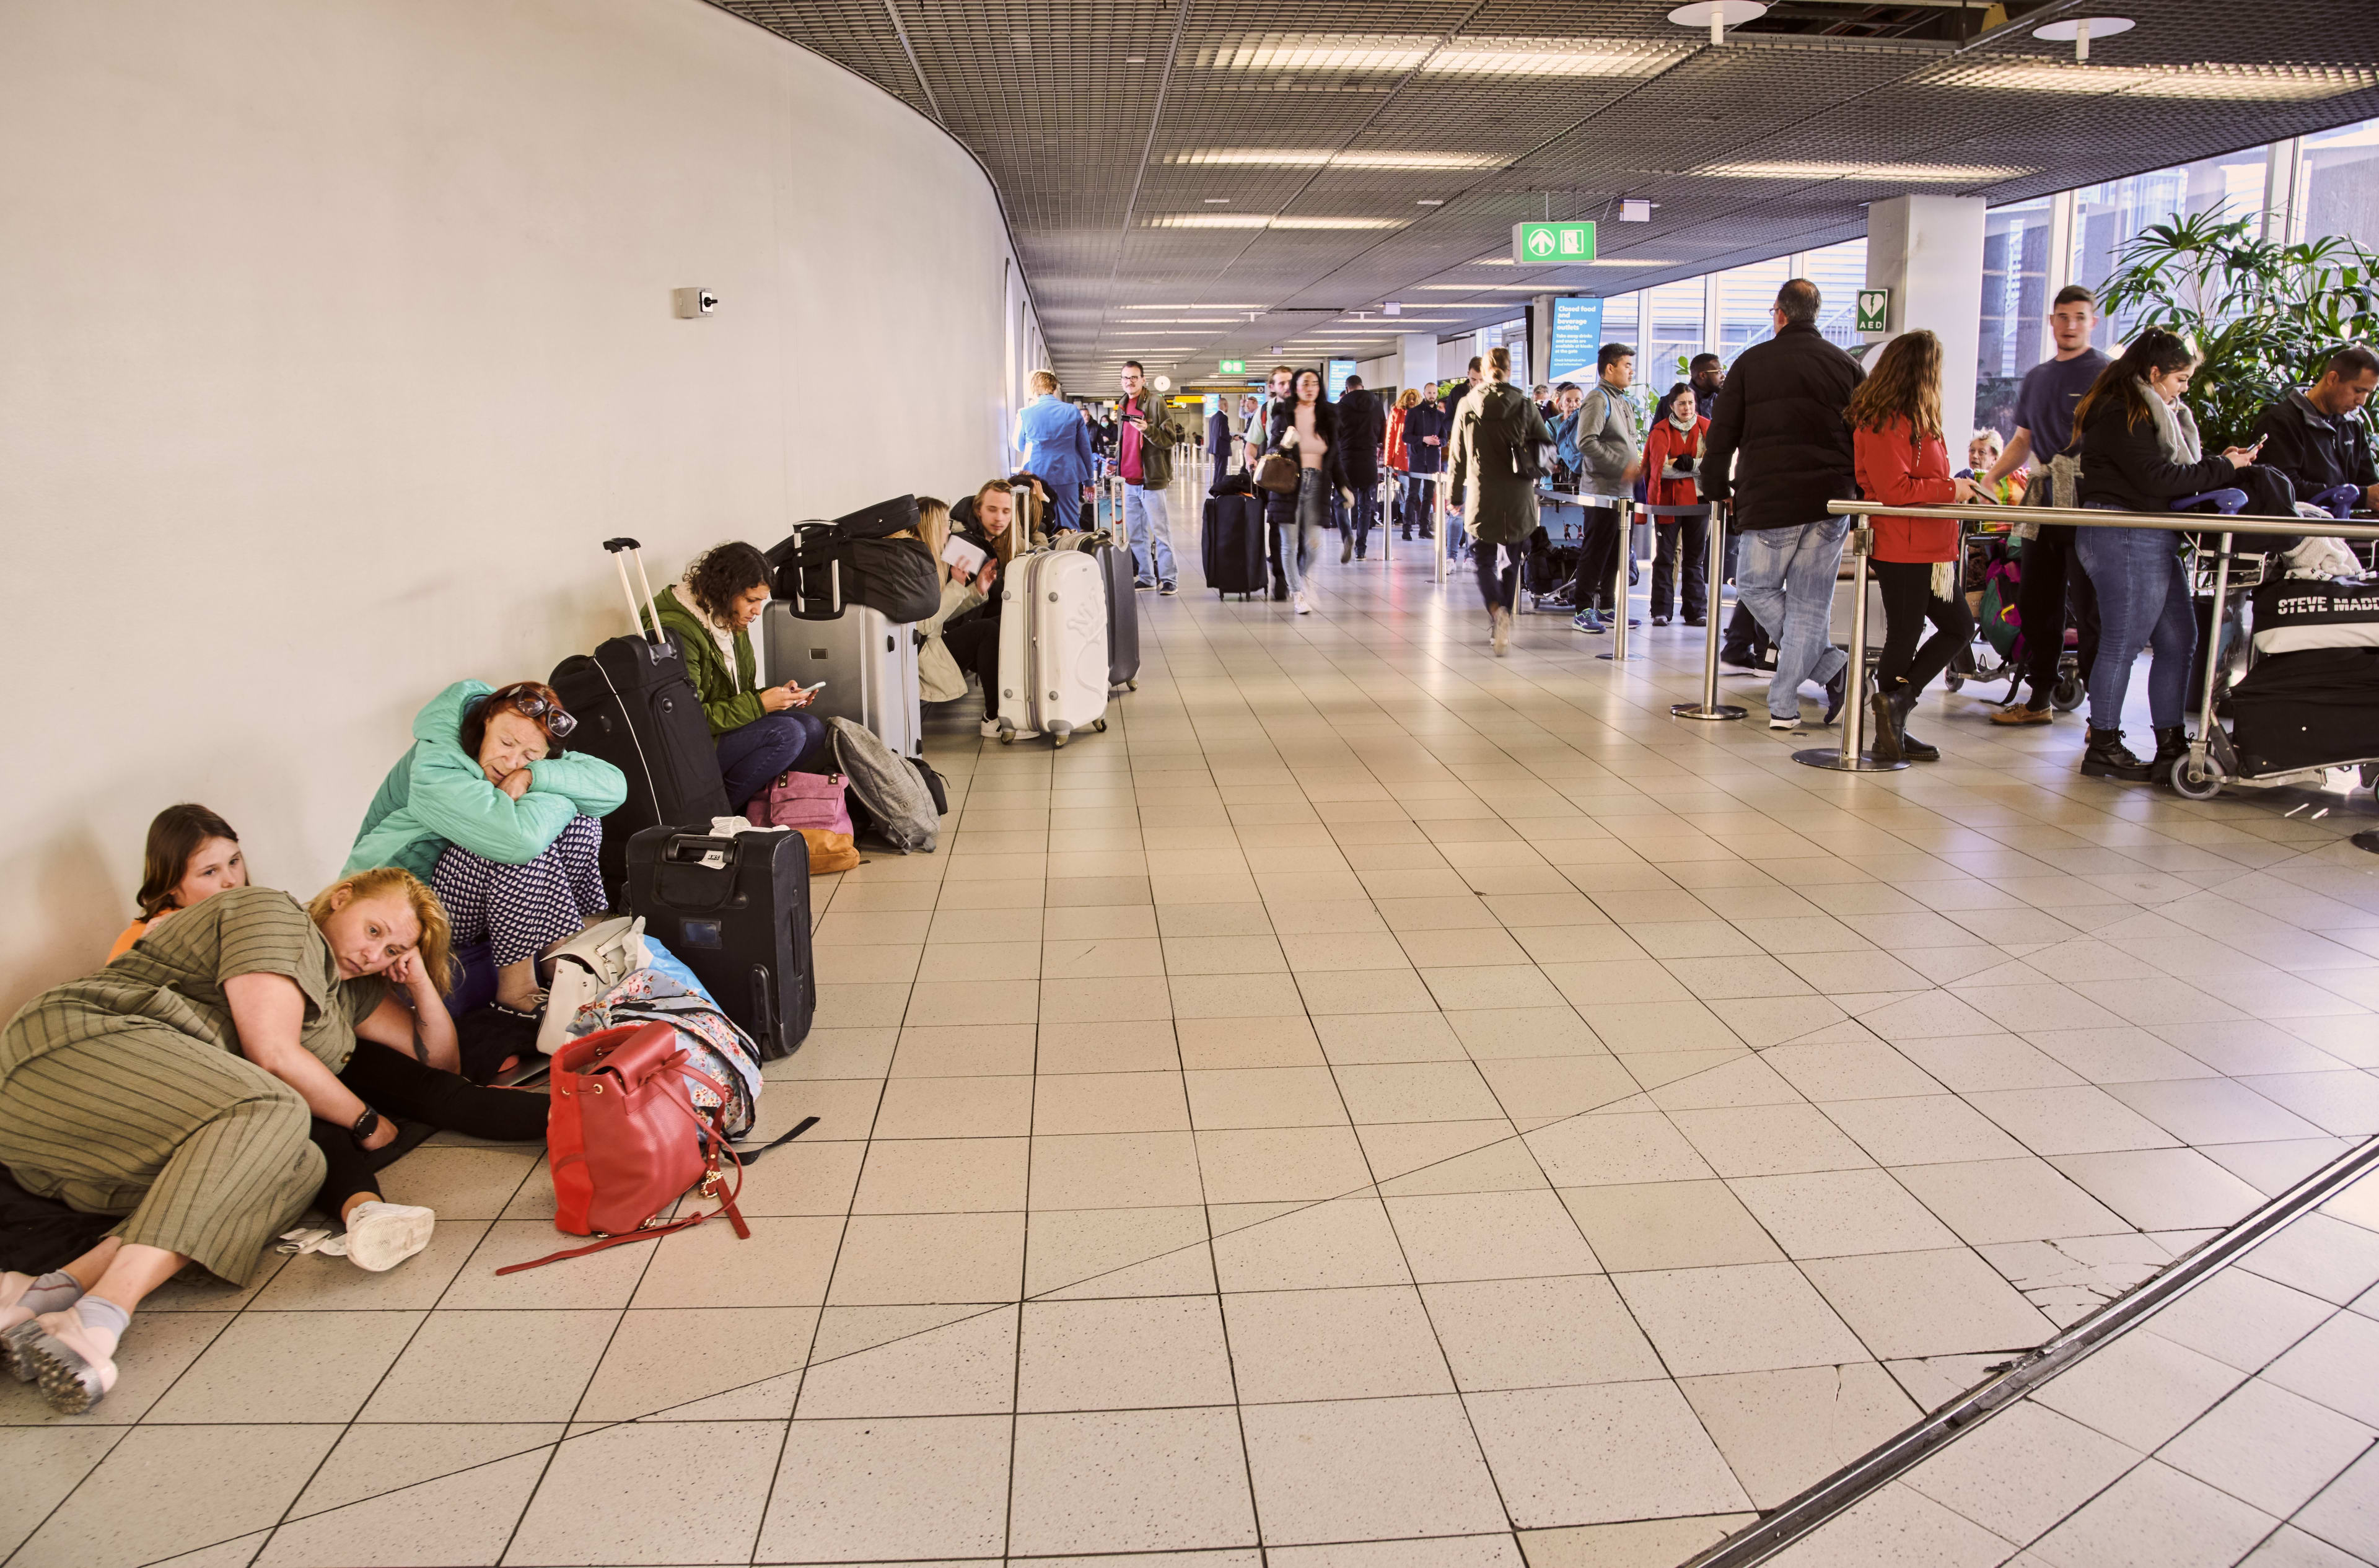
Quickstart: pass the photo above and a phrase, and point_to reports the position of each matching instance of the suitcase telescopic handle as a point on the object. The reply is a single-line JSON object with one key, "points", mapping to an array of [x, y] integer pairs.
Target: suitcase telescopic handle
{"points": [[622, 551]]}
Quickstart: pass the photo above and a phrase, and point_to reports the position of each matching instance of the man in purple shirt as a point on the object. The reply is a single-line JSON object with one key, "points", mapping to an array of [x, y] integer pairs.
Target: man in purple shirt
{"points": [[1145, 436], [2044, 427]]}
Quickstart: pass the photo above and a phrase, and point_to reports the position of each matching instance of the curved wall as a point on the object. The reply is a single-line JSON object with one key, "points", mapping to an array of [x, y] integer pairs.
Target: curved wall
{"points": [[337, 337]]}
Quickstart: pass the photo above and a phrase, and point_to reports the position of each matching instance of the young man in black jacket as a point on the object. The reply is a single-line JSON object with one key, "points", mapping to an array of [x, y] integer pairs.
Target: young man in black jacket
{"points": [[2315, 439], [1361, 427], [1778, 448]]}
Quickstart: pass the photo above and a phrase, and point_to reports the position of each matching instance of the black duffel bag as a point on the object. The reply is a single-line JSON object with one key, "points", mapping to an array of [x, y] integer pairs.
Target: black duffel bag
{"points": [[872, 557]]}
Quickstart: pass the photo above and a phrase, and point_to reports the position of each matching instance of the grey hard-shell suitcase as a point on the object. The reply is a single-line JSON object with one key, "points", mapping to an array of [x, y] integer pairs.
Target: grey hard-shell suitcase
{"points": [[869, 664]]}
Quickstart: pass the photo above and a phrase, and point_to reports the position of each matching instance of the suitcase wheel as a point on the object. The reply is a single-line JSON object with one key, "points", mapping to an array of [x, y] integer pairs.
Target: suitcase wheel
{"points": [[1131, 685], [1100, 725]]}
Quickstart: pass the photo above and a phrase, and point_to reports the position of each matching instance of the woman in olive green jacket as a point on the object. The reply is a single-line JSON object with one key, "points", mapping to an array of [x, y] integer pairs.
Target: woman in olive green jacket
{"points": [[761, 731], [1496, 431]]}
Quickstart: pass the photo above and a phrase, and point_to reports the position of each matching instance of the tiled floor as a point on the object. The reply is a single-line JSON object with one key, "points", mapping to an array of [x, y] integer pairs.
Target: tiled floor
{"points": [[2237, 1424], [1377, 1106]]}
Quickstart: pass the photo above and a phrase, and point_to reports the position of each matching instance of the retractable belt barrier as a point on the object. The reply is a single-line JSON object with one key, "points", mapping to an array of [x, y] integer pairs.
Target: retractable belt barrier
{"points": [[1862, 537], [1627, 506]]}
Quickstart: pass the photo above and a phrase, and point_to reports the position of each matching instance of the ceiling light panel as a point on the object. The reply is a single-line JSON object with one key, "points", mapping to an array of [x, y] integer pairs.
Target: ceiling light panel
{"points": [[1915, 174], [2224, 83], [1258, 220], [1321, 158]]}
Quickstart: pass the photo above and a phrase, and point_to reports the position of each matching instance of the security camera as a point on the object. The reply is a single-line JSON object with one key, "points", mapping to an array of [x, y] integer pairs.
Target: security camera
{"points": [[693, 302]]}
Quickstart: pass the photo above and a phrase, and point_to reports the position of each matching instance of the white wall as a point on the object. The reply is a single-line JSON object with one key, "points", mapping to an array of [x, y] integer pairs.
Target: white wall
{"points": [[335, 337]]}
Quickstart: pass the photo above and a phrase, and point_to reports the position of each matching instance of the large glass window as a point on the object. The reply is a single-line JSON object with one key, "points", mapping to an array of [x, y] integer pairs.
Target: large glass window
{"points": [[1839, 271], [2104, 216], [1746, 294], [2014, 305], [2338, 183], [1676, 333]]}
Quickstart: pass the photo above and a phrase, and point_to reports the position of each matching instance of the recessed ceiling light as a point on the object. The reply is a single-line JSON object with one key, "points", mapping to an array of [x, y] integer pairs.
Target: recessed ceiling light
{"points": [[1195, 308], [1487, 288], [1468, 56], [1427, 201], [1258, 220], [1135, 59], [1219, 200], [1920, 173], [1319, 158], [2224, 83]]}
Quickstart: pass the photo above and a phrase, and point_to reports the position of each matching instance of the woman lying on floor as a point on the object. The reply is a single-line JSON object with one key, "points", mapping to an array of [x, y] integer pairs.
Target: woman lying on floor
{"points": [[489, 809], [205, 1083]]}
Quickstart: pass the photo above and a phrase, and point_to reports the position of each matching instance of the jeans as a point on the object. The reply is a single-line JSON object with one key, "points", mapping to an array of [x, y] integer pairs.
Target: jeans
{"points": [[1297, 523], [2054, 585], [1363, 513], [403, 1089], [1498, 588], [1908, 603], [1786, 578], [2142, 597], [1687, 538], [1150, 529], [773, 743], [1419, 504]]}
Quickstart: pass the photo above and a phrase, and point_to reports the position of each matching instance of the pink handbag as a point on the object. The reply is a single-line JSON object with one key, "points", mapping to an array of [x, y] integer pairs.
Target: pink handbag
{"points": [[802, 800]]}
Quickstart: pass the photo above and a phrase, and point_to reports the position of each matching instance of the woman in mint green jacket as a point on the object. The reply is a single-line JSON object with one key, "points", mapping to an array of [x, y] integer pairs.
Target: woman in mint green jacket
{"points": [[760, 731], [489, 809]]}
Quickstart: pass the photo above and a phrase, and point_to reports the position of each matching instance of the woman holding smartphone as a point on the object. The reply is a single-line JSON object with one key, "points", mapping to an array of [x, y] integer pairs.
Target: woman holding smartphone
{"points": [[761, 731], [1672, 455]]}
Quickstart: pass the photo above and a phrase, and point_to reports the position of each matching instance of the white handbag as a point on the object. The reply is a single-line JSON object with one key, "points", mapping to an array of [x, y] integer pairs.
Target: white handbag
{"points": [[583, 968]]}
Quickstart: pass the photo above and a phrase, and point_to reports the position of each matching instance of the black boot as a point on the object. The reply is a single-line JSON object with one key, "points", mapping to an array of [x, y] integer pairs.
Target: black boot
{"points": [[2108, 757], [2172, 745], [1903, 703], [1885, 744]]}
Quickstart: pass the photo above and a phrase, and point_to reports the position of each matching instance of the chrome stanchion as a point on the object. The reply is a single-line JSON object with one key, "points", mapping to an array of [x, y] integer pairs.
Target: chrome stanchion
{"points": [[1713, 574], [1619, 652], [1851, 759], [1437, 506], [1380, 515]]}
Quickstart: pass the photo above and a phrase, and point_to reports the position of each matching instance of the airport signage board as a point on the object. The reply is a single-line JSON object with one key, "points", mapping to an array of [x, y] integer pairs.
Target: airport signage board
{"points": [[1549, 244], [1337, 370], [1232, 367], [1577, 338]]}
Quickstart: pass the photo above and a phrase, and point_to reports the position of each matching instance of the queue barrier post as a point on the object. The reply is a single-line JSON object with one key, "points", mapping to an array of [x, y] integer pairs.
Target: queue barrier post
{"points": [[1444, 541], [1709, 708], [1380, 515], [1852, 757], [1625, 507]]}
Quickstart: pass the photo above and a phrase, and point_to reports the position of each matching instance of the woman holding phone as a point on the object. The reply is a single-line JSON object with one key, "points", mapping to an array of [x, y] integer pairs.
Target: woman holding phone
{"points": [[1672, 455], [761, 731]]}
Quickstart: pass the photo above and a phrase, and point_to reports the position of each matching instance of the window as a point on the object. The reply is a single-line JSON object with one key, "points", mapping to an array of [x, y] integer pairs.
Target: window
{"points": [[1746, 294], [2015, 301], [1676, 333], [1839, 271], [2104, 216], [2338, 183]]}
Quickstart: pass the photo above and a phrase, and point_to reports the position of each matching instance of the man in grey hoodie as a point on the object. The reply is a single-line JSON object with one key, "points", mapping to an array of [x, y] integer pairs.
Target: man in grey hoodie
{"points": [[1611, 448]]}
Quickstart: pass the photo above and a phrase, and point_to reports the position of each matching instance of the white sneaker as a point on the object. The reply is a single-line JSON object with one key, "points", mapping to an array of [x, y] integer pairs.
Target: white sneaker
{"points": [[1775, 723], [380, 1236], [1302, 608], [991, 729], [1499, 635]]}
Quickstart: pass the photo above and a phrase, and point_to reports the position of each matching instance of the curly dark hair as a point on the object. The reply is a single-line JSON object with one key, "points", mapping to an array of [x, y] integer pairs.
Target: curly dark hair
{"points": [[725, 572]]}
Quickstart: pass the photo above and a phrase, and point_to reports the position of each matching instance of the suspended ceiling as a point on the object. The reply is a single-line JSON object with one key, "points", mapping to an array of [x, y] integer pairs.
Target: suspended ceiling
{"points": [[1184, 187]]}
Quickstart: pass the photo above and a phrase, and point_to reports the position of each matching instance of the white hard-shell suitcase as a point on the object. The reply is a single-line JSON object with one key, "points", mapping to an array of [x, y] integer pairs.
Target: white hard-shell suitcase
{"points": [[869, 665], [1053, 646]]}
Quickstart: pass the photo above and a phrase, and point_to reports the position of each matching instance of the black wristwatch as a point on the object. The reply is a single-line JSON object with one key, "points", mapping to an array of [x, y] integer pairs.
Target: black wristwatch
{"points": [[366, 1125]]}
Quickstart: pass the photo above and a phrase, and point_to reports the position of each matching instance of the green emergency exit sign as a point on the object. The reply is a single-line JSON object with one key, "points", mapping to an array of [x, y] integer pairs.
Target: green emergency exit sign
{"points": [[1874, 308], [1549, 245], [1232, 367]]}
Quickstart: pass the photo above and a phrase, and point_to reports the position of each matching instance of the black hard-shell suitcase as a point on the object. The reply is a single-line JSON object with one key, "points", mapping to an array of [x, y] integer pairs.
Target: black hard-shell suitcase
{"points": [[1231, 546], [737, 911], [2309, 710], [637, 709]]}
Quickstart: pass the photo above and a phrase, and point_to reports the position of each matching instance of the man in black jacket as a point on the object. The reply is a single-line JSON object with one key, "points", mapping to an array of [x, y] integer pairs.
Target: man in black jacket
{"points": [[1778, 448], [2313, 438], [1361, 427]]}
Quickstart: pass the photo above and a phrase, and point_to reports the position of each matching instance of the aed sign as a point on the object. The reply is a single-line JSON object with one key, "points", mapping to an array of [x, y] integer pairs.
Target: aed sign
{"points": [[1232, 367], [1549, 244], [1873, 305]]}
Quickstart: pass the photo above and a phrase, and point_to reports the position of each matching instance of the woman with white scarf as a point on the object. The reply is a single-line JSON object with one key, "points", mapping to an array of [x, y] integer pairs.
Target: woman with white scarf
{"points": [[2140, 452]]}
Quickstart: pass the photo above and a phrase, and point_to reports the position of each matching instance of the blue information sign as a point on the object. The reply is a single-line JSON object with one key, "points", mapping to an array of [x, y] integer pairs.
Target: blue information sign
{"points": [[1577, 337], [1337, 372]]}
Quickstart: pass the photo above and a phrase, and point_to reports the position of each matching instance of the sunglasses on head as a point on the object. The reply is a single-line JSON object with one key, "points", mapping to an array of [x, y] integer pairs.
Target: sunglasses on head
{"points": [[528, 704]]}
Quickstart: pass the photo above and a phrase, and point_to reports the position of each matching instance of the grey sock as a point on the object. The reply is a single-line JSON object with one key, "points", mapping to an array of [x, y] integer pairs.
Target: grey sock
{"points": [[53, 1292], [98, 1313]]}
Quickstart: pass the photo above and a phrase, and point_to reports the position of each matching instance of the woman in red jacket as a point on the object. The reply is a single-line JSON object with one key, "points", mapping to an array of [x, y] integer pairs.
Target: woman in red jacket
{"points": [[1895, 419], [1672, 455]]}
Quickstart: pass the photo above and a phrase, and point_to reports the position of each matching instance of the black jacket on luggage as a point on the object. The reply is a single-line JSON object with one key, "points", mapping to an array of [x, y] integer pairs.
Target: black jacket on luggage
{"points": [[1779, 424], [874, 555], [1361, 427], [2317, 452]]}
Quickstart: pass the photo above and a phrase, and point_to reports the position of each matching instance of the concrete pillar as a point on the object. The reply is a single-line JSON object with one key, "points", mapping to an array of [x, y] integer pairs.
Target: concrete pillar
{"points": [[1929, 252], [1416, 358]]}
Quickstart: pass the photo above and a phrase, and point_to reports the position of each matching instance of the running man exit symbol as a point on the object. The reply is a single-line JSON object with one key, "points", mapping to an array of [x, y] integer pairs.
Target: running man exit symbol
{"points": [[1542, 245], [1873, 305]]}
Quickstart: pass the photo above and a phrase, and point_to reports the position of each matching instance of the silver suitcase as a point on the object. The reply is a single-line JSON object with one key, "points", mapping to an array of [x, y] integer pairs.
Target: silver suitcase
{"points": [[869, 665], [1053, 646]]}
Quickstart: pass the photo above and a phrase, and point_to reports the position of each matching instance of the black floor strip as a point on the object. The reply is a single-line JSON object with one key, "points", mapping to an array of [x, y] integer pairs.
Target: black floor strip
{"points": [[1758, 1542]]}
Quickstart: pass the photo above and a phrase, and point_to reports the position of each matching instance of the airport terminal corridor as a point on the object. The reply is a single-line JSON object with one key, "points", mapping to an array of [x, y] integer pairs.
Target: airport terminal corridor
{"points": [[1381, 1105]]}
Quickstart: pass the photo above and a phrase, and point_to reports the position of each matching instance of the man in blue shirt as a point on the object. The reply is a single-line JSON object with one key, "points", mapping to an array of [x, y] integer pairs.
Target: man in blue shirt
{"points": [[1057, 444], [2044, 427]]}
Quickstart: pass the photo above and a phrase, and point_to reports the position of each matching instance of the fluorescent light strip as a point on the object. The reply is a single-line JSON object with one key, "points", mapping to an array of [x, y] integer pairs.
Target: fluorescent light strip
{"points": [[1546, 58], [1916, 174], [1193, 306], [1319, 158], [2269, 84], [1439, 57], [1258, 220], [1492, 288]]}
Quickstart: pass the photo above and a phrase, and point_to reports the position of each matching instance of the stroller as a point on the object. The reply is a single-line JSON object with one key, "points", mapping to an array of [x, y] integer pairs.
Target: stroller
{"points": [[1992, 578], [2299, 683]]}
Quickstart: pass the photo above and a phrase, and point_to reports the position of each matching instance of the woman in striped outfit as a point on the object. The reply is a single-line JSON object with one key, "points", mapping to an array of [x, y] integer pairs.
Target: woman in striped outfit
{"points": [[177, 1087]]}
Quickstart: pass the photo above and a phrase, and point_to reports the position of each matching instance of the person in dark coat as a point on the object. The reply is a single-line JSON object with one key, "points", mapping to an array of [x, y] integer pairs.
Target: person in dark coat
{"points": [[1778, 449], [1363, 425], [2312, 437], [1218, 445]]}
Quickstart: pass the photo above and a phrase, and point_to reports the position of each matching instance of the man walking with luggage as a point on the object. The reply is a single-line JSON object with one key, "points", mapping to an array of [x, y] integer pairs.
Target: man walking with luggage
{"points": [[1778, 446], [1145, 436], [2044, 427], [1609, 443]]}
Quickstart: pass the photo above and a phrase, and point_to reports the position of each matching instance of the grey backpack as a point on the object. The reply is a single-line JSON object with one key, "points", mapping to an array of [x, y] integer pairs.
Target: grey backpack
{"points": [[889, 789]]}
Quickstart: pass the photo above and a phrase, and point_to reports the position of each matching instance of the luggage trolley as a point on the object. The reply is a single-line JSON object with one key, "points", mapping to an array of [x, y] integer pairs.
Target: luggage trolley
{"points": [[1985, 555]]}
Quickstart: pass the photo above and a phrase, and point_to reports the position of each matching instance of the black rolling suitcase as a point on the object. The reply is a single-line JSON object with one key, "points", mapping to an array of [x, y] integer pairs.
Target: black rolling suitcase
{"points": [[737, 911], [637, 709], [2315, 708], [1232, 544]]}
